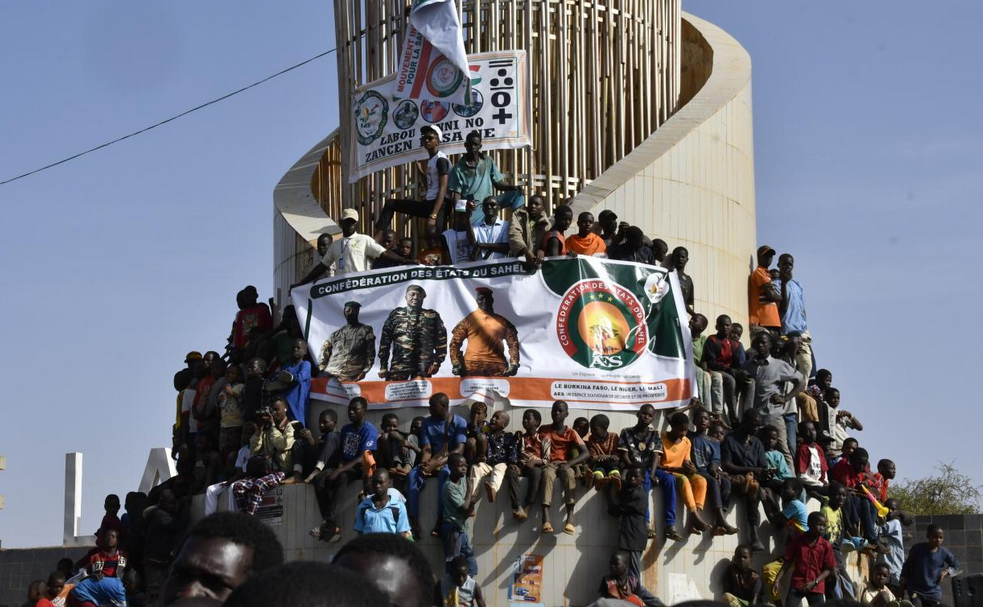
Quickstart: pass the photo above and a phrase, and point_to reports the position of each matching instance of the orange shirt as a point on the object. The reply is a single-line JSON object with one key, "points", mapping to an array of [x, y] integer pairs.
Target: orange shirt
{"points": [[592, 244], [760, 313], [486, 334], [673, 455], [560, 443]]}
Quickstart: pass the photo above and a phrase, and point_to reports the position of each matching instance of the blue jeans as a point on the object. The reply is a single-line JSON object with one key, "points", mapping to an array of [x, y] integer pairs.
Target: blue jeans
{"points": [[668, 483], [791, 431], [457, 543], [417, 481]]}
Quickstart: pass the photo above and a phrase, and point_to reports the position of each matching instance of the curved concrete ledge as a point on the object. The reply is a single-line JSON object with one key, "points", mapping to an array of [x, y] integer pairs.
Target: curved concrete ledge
{"points": [[293, 199]]}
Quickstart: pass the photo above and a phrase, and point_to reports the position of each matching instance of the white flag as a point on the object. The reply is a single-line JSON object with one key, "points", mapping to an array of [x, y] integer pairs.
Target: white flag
{"points": [[433, 64]]}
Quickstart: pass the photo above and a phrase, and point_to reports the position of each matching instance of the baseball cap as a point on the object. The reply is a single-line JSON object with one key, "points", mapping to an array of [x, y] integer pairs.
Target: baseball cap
{"points": [[763, 249], [193, 355], [436, 131], [349, 214]]}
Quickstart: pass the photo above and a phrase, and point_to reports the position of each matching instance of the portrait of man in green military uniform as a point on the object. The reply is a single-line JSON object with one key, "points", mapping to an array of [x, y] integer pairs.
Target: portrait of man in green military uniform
{"points": [[348, 353], [487, 334], [415, 336]]}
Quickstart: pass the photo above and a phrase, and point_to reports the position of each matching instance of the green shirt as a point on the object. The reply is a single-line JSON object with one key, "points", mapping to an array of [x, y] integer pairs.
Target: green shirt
{"points": [[475, 183], [698, 349], [453, 499]]}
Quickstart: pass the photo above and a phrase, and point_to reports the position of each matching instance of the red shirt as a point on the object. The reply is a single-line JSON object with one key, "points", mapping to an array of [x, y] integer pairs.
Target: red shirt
{"points": [[560, 443], [878, 486], [810, 560], [844, 473], [108, 564], [246, 319]]}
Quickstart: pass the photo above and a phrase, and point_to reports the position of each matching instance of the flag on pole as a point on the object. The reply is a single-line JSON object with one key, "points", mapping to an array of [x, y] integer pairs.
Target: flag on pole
{"points": [[433, 64]]}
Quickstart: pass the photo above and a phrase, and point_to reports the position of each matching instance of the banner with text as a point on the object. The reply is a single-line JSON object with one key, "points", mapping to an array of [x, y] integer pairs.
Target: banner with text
{"points": [[386, 124], [596, 333]]}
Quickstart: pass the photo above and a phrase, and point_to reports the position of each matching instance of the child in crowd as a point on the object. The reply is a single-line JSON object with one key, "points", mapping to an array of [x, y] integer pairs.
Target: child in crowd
{"points": [[810, 557], [381, 512], [739, 353], [676, 461], [874, 591], [476, 427], [582, 471], [559, 444], [706, 457], [458, 506], [793, 514], [854, 473], [775, 462], [397, 452], [237, 471], [886, 471], [642, 445], [252, 390], [457, 588], [603, 449], [104, 585], [810, 461], [839, 422], [35, 592], [433, 254], [297, 377], [630, 504], [927, 566], [231, 417], [832, 509], [620, 585], [742, 585], [329, 445], [110, 520], [892, 536], [846, 450], [532, 454], [500, 462], [54, 587]]}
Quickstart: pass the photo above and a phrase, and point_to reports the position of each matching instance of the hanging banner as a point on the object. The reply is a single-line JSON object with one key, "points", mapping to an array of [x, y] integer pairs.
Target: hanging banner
{"points": [[597, 333], [426, 74], [386, 127]]}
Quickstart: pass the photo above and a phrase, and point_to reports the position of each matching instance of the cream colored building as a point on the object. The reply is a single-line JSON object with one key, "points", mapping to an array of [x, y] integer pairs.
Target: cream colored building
{"points": [[638, 108]]}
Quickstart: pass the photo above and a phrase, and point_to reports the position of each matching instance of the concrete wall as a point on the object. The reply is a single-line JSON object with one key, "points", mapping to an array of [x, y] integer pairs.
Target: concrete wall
{"points": [[20, 567]]}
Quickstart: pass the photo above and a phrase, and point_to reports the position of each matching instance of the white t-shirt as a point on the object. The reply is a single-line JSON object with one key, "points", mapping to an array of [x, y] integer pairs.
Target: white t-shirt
{"points": [[492, 234], [187, 400], [352, 254], [813, 474], [433, 175], [242, 458], [458, 245]]}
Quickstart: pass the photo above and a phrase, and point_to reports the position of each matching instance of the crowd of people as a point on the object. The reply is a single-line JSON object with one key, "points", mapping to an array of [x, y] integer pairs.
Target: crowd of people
{"points": [[766, 430]]}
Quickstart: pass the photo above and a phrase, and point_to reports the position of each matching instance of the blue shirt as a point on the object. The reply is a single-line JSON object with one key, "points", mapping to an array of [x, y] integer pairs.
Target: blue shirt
{"points": [[922, 569], [355, 441], [705, 451], [391, 518], [794, 318], [436, 433], [297, 394], [776, 461], [796, 516]]}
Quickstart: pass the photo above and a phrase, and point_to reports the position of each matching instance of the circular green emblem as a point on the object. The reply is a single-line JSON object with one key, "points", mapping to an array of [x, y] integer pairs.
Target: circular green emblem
{"points": [[371, 115]]}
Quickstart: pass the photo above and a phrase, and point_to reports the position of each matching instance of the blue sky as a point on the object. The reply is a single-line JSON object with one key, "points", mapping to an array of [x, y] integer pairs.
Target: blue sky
{"points": [[867, 119]]}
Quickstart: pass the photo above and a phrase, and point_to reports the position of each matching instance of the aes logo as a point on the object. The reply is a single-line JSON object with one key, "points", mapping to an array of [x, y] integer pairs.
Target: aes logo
{"points": [[601, 325]]}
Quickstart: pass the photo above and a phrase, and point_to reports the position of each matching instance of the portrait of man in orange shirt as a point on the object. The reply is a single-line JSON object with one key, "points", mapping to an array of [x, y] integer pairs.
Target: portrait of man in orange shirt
{"points": [[487, 334]]}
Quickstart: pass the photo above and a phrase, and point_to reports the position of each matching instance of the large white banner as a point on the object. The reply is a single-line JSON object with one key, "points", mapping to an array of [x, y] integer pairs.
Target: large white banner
{"points": [[433, 55], [386, 126], [596, 333]]}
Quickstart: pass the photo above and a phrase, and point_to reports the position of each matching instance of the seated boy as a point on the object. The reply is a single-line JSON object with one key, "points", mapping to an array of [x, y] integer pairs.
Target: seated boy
{"points": [[582, 471], [742, 585], [397, 452], [380, 512], [793, 514], [559, 442], [501, 462], [676, 461], [532, 455], [618, 584], [810, 557], [810, 461], [602, 447], [854, 473], [105, 582], [458, 505], [641, 445], [927, 566], [457, 588], [476, 427], [705, 454]]}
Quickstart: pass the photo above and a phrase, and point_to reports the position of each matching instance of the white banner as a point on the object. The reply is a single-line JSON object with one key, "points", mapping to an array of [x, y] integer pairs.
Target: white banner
{"points": [[386, 129], [433, 53], [596, 333]]}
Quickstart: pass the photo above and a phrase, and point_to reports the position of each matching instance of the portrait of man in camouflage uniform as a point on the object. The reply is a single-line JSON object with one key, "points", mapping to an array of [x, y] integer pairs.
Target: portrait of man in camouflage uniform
{"points": [[348, 353], [417, 338], [487, 335]]}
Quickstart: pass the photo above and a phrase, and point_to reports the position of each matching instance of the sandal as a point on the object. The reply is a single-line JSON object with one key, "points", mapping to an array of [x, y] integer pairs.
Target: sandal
{"points": [[650, 533], [672, 534], [547, 528], [569, 529]]}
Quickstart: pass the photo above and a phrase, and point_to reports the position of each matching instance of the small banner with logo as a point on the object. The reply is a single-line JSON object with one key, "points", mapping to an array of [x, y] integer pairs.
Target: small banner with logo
{"points": [[596, 333], [386, 123], [433, 64]]}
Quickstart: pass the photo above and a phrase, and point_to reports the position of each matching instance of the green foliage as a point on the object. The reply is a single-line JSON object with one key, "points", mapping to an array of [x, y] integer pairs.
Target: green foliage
{"points": [[948, 492]]}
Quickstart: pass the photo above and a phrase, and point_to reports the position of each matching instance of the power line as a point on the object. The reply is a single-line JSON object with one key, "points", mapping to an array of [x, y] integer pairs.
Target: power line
{"points": [[171, 119]]}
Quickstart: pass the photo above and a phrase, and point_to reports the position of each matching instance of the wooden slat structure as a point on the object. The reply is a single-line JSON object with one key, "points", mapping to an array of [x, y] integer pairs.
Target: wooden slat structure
{"points": [[604, 75]]}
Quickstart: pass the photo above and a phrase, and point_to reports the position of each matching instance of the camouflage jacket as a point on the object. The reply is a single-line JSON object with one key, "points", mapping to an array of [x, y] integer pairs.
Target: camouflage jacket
{"points": [[349, 352], [416, 339]]}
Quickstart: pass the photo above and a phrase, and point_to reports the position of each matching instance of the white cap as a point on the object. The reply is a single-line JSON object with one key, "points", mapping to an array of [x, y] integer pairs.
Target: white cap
{"points": [[435, 129], [349, 214]]}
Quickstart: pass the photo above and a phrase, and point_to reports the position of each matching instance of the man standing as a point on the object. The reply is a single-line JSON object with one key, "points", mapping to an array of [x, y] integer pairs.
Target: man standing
{"points": [[529, 226], [417, 338], [352, 252], [762, 297], [476, 177], [770, 394], [434, 177], [612, 232], [680, 257], [586, 242], [633, 248], [349, 352], [485, 331], [792, 309], [491, 234]]}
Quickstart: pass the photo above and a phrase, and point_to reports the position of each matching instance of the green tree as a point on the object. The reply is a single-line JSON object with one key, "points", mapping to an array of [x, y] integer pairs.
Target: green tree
{"points": [[948, 492]]}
